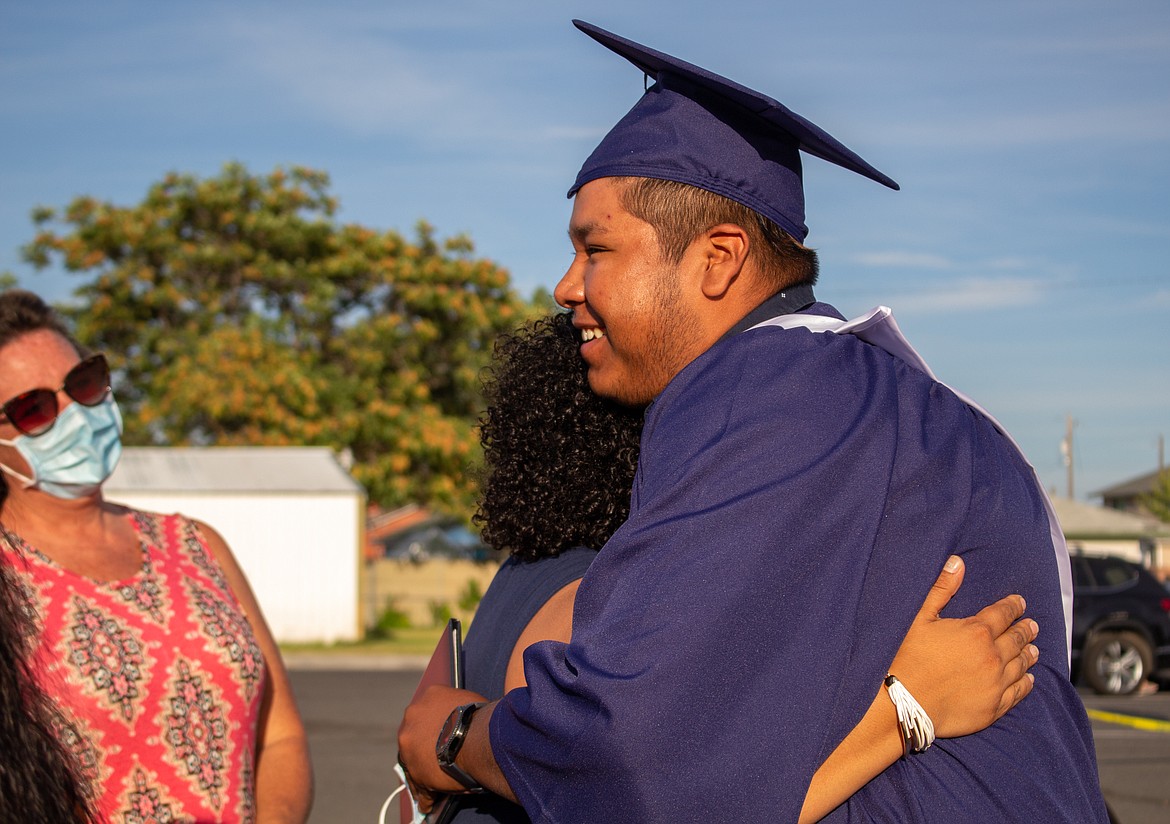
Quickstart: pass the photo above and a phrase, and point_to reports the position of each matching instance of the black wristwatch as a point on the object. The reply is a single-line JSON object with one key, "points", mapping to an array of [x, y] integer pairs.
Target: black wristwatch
{"points": [[451, 739]]}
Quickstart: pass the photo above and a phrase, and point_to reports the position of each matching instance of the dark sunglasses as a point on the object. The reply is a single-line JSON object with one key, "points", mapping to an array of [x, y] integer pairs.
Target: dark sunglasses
{"points": [[34, 412]]}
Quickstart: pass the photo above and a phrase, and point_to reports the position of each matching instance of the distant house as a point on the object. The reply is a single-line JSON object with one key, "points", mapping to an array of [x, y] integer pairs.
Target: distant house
{"points": [[292, 515], [381, 523], [1126, 496], [1099, 530]]}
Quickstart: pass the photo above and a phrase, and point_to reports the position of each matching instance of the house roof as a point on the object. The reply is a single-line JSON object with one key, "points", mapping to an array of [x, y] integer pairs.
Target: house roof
{"points": [[1134, 486], [230, 469], [1082, 520]]}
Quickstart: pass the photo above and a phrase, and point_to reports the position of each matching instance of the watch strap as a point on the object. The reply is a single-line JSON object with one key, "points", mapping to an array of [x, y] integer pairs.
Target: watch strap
{"points": [[451, 739]]}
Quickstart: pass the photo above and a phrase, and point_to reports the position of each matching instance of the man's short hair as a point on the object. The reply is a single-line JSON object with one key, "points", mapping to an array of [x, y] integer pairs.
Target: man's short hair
{"points": [[679, 213]]}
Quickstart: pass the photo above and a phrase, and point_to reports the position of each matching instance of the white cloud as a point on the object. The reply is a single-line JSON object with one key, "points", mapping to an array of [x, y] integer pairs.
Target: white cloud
{"points": [[1152, 41], [553, 132], [973, 294], [429, 79], [902, 260], [1111, 124], [1009, 264], [358, 78]]}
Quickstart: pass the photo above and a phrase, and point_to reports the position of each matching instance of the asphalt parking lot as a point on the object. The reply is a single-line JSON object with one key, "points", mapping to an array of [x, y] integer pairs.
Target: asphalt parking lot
{"points": [[1132, 735], [352, 708]]}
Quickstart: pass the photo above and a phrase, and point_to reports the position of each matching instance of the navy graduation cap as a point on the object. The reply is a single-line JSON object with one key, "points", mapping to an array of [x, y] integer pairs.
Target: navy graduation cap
{"points": [[693, 126]]}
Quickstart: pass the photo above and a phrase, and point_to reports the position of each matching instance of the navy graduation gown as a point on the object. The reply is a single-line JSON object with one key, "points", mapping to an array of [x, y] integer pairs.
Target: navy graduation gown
{"points": [[796, 496]]}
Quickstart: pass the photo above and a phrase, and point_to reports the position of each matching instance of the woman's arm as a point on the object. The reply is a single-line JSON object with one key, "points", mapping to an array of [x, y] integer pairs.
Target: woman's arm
{"points": [[552, 622], [965, 672], [284, 775]]}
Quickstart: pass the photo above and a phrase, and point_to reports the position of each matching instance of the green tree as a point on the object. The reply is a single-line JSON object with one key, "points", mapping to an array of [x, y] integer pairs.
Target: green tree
{"points": [[237, 310], [1157, 500]]}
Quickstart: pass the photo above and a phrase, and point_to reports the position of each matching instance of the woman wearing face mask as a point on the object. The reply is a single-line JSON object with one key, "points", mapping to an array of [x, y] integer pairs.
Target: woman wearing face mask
{"points": [[166, 684]]}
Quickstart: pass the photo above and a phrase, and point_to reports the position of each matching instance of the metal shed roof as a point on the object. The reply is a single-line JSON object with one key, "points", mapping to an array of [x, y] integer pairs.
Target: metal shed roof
{"points": [[303, 469], [1082, 520]]}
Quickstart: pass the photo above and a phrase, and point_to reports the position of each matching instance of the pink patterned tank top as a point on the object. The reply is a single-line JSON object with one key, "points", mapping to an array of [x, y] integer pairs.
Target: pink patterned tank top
{"points": [[158, 678]]}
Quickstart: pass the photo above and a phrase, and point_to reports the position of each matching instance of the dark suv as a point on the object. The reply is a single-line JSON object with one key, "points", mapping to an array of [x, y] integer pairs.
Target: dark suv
{"points": [[1121, 624]]}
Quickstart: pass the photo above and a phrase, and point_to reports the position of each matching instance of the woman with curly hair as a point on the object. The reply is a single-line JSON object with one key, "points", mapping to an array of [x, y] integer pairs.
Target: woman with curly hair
{"points": [[544, 423], [560, 463]]}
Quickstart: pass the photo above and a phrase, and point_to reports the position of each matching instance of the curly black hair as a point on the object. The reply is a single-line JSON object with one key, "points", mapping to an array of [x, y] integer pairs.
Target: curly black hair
{"points": [[560, 460]]}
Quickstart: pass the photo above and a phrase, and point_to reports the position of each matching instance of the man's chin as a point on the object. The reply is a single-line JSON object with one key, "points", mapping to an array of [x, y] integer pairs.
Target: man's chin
{"points": [[598, 383], [613, 388]]}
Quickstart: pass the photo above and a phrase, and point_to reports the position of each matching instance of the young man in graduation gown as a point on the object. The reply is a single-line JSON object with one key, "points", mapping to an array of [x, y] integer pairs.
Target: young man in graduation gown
{"points": [[801, 481]]}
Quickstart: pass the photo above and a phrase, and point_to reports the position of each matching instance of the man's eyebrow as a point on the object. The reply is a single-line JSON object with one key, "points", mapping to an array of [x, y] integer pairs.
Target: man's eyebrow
{"points": [[582, 231]]}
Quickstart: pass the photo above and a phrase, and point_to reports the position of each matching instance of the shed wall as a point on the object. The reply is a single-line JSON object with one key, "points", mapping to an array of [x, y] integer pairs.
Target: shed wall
{"points": [[301, 553]]}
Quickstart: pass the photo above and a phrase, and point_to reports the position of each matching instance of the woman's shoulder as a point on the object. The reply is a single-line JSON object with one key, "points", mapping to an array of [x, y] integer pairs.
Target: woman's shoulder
{"points": [[552, 570], [520, 588]]}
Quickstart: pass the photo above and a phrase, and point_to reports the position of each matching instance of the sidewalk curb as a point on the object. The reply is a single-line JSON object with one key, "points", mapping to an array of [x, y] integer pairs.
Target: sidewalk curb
{"points": [[353, 661], [1137, 722]]}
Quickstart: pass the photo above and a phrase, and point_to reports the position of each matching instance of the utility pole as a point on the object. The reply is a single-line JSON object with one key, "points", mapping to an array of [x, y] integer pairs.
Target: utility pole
{"points": [[1066, 449]]}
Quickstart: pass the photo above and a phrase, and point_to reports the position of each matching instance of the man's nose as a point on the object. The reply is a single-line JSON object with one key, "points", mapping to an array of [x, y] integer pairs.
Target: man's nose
{"points": [[570, 291]]}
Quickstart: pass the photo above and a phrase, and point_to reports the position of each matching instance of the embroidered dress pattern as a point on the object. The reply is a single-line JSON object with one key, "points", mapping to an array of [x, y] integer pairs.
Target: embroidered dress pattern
{"points": [[197, 734], [82, 745], [223, 625], [146, 594], [197, 552], [158, 678], [108, 657], [248, 800], [146, 804]]}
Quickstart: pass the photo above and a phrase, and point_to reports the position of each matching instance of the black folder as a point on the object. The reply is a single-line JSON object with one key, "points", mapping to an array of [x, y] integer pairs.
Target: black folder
{"points": [[445, 667]]}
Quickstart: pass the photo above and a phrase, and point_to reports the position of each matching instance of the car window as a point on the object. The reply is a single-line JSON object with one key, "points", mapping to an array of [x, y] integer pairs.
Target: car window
{"points": [[1081, 572], [462, 536], [1112, 572]]}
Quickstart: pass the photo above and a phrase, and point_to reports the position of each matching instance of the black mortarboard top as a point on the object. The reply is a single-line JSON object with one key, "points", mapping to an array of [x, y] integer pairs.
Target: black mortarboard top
{"points": [[695, 127]]}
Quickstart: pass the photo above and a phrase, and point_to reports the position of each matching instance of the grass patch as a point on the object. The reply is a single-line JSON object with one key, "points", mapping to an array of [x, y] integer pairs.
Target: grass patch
{"points": [[403, 641]]}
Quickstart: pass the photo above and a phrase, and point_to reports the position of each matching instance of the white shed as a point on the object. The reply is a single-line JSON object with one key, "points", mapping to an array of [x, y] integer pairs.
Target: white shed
{"points": [[292, 515]]}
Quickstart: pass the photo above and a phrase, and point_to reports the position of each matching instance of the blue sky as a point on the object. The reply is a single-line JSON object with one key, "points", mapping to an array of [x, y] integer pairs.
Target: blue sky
{"points": [[1026, 255]]}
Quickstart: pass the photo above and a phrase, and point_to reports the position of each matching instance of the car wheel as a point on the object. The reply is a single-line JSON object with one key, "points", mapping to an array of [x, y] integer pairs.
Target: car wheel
{"points": [[1117, 663]]}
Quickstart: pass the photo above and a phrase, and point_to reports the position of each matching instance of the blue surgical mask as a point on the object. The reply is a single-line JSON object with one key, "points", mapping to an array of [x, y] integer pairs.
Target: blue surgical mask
{"points": [[416, 815], [76, 456]]}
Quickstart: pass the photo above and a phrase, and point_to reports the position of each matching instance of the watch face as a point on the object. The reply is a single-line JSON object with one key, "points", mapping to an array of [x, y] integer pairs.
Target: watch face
{"points": [[451, 740], [454, 729], [449, 728]]}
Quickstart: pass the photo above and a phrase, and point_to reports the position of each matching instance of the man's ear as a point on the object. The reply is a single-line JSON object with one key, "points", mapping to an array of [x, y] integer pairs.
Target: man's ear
{"points": [[725, 248]]}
